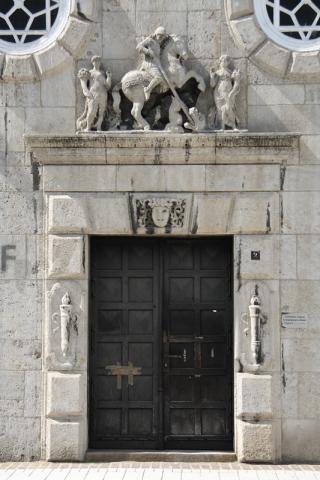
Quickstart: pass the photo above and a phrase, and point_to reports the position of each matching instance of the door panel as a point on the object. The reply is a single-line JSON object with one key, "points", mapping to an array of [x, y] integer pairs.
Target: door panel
{"points": [[161, 312], [125, 333], [197, 367]]}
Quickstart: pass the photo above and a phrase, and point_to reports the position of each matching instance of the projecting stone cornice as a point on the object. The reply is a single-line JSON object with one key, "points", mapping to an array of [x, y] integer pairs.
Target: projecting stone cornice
{"points": [[163, 148]]}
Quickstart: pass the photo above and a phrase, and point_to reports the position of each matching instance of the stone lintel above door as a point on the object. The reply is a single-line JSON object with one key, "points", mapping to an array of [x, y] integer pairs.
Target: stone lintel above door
{"points": [[158, 148]]}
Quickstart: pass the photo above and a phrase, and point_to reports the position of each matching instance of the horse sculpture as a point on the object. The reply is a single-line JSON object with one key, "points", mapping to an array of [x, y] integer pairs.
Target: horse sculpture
{"points": [[174, 73]]}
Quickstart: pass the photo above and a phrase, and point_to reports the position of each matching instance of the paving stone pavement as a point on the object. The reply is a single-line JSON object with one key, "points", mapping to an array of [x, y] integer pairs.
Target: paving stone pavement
{"points": [[156, 471]]}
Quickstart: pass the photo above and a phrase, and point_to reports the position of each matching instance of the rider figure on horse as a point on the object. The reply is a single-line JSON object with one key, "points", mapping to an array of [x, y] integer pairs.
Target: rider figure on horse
{"points": [[151, 48]]}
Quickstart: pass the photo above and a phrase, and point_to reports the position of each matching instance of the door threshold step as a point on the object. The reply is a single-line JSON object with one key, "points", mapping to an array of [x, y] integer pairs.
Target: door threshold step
{"points": [[102, 456]]}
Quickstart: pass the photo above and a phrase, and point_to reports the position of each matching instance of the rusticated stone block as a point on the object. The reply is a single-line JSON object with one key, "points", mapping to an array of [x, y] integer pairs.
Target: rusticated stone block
{"points": [[66, 257], [93, 214], [254, 396], [66, 441], [255, 442], [66, 394]]}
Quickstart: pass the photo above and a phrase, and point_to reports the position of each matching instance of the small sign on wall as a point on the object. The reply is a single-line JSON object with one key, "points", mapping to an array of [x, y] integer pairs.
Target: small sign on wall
{"points": [[255, 254], [294, 320]]}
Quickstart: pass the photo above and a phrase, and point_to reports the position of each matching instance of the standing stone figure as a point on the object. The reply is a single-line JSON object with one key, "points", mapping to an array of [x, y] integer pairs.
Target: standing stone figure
{"points": [[226, 84], [95, 86]]}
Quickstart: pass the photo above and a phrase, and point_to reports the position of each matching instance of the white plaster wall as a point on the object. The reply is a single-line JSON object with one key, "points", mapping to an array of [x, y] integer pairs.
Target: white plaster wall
{"points": [[51, 105]]}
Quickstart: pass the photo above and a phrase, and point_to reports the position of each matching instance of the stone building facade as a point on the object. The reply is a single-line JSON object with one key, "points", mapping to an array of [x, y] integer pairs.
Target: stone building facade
{"points": [[67, 196]]}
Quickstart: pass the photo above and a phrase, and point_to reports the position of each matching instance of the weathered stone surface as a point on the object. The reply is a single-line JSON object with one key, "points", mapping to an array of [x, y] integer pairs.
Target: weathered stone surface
{"points": [[284, 118], [61, 120], [14, 94], [239, 8], [276, 94], [66, 394], [75, 35], [33, 394], [90, 213], [81, 178], [237, 213], [22, 439], [298, 296], [149, 21], [254, 396], [204, 33], [19, 68], [301, 354], [22, 213], [162, 5], [247, 33], [57, 89], [305, 178], [14, 127], [306, 62], [165, 148], [21, 313], [255, 442], [161, 178], [309, 394], [268, 265], [85, 8], [300, 437], [65, 441], [242, 178], [52, 58], [310, 153], [20, 354], [308, 257], [288, 257], [300, 212], [119, 43], [289, 394], [272, 57], [66, 257], [12, 385]]}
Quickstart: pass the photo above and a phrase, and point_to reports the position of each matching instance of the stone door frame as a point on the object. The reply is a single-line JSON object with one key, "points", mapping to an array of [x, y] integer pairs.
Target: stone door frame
{"points": [[88, 186]]}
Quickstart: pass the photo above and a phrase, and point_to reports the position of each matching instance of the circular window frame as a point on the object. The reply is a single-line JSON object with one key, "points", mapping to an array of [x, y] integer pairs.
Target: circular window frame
{"points": [[46, 40], [67, 45], [278, 37], [264, 50]]}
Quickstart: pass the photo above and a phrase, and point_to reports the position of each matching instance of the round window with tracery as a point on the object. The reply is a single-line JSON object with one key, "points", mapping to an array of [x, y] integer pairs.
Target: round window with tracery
{"points": [[27, 26], [294, 24]]}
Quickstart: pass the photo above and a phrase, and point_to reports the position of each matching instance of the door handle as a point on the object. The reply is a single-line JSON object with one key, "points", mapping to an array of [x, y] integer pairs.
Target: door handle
{"points": [[183, 356]]}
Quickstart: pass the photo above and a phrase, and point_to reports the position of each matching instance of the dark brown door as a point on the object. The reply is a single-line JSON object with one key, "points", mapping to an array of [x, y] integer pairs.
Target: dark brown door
{"points": [[161, 363]]}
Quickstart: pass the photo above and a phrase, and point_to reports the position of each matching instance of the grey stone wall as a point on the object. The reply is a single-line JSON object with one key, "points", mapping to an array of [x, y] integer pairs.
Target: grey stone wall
{"points": [[269, 103]]}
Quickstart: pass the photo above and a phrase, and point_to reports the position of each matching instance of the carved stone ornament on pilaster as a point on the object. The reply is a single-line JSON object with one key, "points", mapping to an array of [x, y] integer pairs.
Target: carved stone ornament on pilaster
{"points": [[162, 93], [253, 332], [63, 331], [160, 214]]}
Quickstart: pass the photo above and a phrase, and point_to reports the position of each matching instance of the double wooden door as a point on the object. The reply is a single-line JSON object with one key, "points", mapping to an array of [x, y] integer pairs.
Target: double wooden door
{"points": [[161, 343]]}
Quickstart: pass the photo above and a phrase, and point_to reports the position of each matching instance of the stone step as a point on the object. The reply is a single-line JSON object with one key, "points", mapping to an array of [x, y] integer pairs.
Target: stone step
{"points": [[102, 456]]}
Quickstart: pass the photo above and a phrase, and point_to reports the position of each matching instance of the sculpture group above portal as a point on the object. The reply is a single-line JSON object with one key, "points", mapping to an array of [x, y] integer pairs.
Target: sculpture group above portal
{"points": [[161, 94]]}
